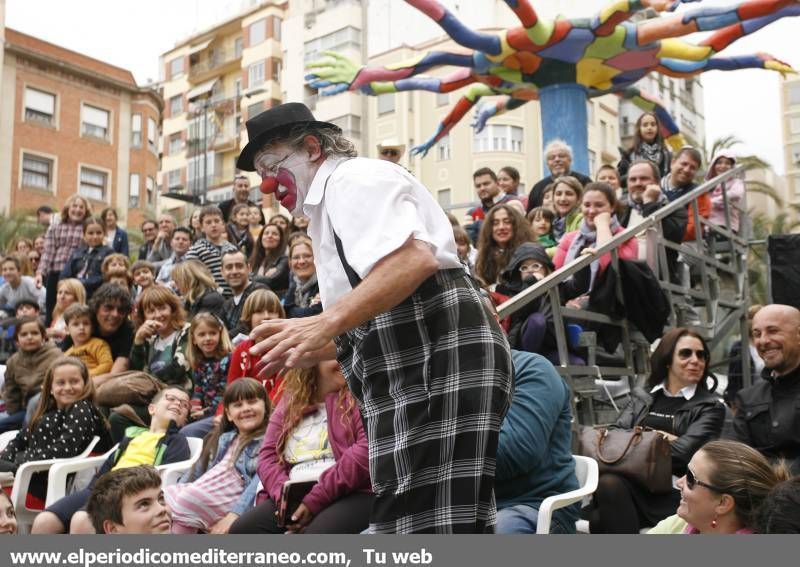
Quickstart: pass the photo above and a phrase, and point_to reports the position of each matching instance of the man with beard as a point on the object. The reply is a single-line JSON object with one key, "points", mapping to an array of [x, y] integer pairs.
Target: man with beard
{"points": [[428, 363]]}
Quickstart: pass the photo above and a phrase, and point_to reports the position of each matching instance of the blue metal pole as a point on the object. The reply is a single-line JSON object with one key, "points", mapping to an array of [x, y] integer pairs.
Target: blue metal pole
{"points": [[563, 109]]}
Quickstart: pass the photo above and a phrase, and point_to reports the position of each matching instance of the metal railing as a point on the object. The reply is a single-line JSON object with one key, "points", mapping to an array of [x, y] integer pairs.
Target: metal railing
{"points": [[723, 313]]}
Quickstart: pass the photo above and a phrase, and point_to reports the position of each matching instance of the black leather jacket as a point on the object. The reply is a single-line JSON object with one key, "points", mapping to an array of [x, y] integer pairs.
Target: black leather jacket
{"points": [[699, 421], [768, 416]]}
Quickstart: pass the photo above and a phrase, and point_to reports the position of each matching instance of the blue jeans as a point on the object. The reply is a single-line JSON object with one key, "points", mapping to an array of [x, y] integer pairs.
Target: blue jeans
{"points": [[10, 422], [522, 519], [199, 428]]}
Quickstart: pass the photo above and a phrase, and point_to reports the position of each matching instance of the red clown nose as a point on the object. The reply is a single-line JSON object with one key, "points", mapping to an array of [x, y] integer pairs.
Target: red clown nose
{"points": [[269, 185]]}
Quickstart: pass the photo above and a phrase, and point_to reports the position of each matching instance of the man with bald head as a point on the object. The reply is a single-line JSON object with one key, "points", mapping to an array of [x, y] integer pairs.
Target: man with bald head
{"points": [[768, 412]]}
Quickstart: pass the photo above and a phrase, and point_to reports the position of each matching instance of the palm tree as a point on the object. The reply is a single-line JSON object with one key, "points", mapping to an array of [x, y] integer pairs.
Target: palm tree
{"points": [[18, 224]]}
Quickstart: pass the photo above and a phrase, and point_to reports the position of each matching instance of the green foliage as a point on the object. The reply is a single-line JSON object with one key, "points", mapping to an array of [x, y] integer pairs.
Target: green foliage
{"points": [[19, 224]]}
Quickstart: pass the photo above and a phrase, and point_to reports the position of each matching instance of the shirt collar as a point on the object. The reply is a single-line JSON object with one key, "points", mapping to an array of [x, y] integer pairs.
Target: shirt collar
{"points": [[317, 189], [687, 392]]}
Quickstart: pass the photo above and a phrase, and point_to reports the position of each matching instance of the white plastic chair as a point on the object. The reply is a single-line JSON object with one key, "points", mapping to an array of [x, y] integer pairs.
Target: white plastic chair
{"points": [[171, 473], [59, 474], [587, 472], [22, 481]]}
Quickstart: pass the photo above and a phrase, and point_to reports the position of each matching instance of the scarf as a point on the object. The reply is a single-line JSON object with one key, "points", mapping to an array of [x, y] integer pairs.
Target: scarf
{"points": [[586, 238], [560, 224], [650, 152], [302, 290], [639, 207]]}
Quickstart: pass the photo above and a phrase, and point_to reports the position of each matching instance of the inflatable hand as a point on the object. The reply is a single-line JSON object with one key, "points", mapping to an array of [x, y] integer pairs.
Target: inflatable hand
{"points": [[483, 113], [333, 75]]}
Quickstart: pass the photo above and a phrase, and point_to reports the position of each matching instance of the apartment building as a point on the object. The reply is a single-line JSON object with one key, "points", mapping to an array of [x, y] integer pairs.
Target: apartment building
{"points": [[790, 116], [71, 124]]}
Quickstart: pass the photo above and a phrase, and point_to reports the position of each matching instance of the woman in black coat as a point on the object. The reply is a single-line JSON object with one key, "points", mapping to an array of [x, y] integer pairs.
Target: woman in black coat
{"points": [[678, 402]]}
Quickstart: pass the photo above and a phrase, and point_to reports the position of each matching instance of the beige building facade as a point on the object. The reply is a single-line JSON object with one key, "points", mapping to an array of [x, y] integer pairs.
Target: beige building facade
{"points": [[790, 116]]}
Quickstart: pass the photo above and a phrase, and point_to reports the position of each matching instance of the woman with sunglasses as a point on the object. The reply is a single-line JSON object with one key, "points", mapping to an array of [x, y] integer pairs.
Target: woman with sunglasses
{"points": [[723, 491], [676, 401]]}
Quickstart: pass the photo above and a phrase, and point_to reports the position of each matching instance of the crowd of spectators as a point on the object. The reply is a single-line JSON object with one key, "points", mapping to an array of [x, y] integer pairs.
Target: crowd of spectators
{"points": [[82, 313]]}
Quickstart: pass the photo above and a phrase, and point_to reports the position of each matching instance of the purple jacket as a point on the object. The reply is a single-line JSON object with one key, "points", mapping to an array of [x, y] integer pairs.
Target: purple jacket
{"points": [[349, 444]]}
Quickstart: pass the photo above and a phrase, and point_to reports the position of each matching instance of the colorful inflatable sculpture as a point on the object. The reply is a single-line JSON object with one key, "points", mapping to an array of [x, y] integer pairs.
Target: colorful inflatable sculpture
{"points": [[561, 62]]}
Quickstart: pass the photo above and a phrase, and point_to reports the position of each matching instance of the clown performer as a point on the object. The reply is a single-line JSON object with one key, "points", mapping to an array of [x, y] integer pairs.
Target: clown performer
{"points": [[428, 363]]}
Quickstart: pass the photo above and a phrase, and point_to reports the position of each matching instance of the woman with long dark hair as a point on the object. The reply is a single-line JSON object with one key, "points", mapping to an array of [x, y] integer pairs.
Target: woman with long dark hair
{"points": [[677, 401], [503, 230], [269, 263]]}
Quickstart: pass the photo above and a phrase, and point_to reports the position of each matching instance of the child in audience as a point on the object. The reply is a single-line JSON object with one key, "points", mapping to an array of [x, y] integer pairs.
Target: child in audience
{"points": [[209, 250], [239, 229], [92, 351], [547, 197], [69, 291], [86, 262], [120, 277], [8, 519], [466, 253], [609, 174], [26, 308], [541, 220], [129, 501], [255, 221], [143, 274], [64, 423], [261, 305], [160, 444], [648, 143], [25, 370], [115, 262], [220, 489], [208, 355]]}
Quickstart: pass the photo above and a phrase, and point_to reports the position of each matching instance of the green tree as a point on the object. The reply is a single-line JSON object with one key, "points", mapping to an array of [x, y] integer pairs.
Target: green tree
{"points": [[18, 224]]}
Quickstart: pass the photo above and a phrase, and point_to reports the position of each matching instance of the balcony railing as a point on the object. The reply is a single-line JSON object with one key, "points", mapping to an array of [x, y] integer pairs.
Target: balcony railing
{"points": [[214, 60]]}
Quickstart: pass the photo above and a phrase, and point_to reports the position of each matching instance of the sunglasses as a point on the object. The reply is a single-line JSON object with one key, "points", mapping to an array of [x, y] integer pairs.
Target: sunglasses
{"points": [[686, 354], [691, 482], [392, 153]]}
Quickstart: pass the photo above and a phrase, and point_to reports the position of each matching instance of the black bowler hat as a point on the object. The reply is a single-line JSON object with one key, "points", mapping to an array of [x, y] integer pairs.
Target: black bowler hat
{"points": [[268, 125]]}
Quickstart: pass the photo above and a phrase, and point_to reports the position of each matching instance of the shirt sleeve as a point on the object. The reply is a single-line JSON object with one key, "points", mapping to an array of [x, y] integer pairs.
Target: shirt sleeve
{"points": [[374, 210]]}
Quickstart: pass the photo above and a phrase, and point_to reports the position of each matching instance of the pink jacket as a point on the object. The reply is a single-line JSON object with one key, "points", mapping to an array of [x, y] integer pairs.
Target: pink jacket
{"points": [[349, 444], [734, 188], [628, 251]]}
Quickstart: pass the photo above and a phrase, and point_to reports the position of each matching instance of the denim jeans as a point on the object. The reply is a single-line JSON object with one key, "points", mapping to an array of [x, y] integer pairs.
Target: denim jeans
{"points": [[522, 519], [10, 422]]}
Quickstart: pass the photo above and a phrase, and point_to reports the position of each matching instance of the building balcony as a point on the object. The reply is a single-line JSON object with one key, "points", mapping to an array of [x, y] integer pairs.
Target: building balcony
{"points": [[214, 64]]}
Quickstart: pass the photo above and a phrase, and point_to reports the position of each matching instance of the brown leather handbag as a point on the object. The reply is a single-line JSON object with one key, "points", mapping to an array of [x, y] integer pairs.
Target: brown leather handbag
{"points": [[641, 455]]}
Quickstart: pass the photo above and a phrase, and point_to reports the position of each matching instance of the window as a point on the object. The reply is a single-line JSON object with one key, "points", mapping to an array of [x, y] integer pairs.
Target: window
{"points": [[237, 88], [136, 130], [255, 109], [794, 125], [442, 99], [133, 192], [93, 184], [794, 94], [795, 151], [176, 105], [176, 67], [276, 28], [498, 138], [238, 45], [385, 103], [276, 69], [152, 134], [443, 149], [37, 172], [444, 198], [592, 161], [175, 143], [255, 73], [150, 185], [589, 112], [345, 38], [258, 32], [797, 185], [39, 106], [174, 180], [350, 125], [94, 122]]}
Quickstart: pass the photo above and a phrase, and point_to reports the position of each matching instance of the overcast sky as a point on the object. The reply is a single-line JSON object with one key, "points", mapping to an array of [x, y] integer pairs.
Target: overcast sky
{"points": [[132, 35]]}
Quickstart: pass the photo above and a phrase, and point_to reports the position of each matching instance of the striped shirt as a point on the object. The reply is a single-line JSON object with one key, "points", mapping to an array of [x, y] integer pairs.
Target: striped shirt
{"points": [[60, 242], [211, 255]]}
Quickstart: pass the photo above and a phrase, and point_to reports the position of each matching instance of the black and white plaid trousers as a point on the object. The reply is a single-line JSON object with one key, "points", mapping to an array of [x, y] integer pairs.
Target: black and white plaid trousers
{"points": [[434, 379]]}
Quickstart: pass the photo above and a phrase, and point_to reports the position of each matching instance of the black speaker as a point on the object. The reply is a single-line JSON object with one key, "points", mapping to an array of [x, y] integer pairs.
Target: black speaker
{"points": [[784, 258]]}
